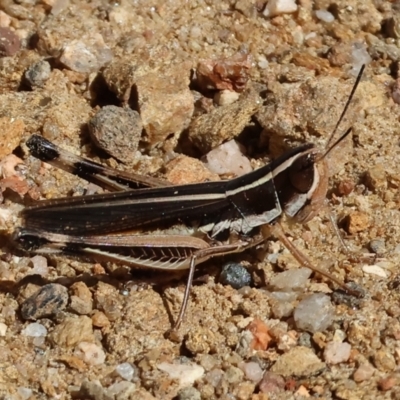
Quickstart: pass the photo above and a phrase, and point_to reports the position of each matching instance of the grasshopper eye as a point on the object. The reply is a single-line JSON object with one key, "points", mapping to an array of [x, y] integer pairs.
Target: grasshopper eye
{"points": [[301, 173]]}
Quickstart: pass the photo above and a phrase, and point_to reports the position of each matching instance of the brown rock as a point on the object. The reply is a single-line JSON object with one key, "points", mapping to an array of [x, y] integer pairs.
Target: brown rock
{"points": [[345, 187], [72, 331], [120, 76], [336, 352], [224, 123], [53, 112], [305, 111], [260, 331], [375, 178], [11, 131], [107, 300], [363, 372], [16, 184], [388, 382], [161, 94], [117, 131], [9, 42], [272, 383], [183, 169], [356, 222], [340, 54], [37, 74], [299, 361], [384, 360], [311, 62], [203, 340], [87, 54], [81, 298], [74, 362], [99, 319], [230, 73], [165, 102], [243, 390]]}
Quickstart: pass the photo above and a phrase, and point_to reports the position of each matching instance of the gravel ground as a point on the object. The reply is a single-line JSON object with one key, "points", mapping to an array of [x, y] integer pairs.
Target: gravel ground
{"points": [[157, 86]]}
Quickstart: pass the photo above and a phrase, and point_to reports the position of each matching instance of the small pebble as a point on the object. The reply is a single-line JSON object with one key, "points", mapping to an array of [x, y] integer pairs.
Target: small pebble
{"points": [[283, 296], [47, 301], [276, 7], [388, 382], [375, 178], [228, 158], [261, 335], [324, 16], [84, 57], [231, 73], [72, 330], [363, 373], [339, 336], [207, 361], [233, 375], [214, 377], [302, 392], [384, 360], [252, 371], [225, 97], [315, 313], [99, 319], [287, 341], [357, 222], [117, 131], [184, 169], [292, 280], [235, 275], [378, 246], [304, 339], [189, 393], [375, 270], [37, 74], [345, 187], [360, 56], [336, 353], [40, 266], [93, 390], [34, 330], [298, 361], [23, 394], [9, 42], [91, 353], [272, 383], [121, 390], [125, 371], [81, 298], [3, 329], [185, 374], [282, 303]]}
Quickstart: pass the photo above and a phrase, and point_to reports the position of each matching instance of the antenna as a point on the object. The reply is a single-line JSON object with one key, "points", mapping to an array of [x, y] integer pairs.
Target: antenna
{"points": [[331, 147], [353, 90]]}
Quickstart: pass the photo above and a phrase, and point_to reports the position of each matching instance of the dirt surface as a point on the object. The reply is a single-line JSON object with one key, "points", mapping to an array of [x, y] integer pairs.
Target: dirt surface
{"points": [[198, 74]]}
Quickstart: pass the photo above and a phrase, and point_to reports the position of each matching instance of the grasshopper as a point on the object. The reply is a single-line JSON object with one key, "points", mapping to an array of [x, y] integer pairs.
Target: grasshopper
{"points": [[120, 225]]}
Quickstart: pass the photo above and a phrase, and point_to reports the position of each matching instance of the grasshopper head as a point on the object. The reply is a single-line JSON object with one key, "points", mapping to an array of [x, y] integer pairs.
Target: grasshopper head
{"points": [[309, 175]]}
